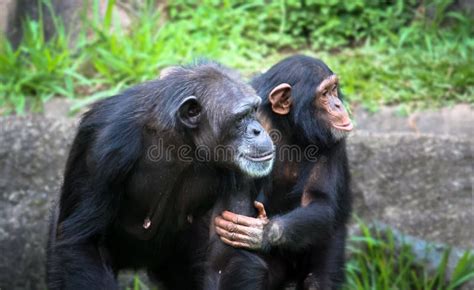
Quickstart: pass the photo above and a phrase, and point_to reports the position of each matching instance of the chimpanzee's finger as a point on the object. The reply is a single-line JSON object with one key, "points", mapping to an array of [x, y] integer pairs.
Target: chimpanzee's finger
{"points": [[262, 214], [241, 219], [233, 228], [236, 237], [237, 244]]}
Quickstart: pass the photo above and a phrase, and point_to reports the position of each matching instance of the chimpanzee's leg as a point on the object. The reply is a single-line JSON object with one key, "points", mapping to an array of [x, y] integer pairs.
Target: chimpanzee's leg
{"points": [[82, 265], [247, 270], [337, 264], [327, 264], [79, 267]]}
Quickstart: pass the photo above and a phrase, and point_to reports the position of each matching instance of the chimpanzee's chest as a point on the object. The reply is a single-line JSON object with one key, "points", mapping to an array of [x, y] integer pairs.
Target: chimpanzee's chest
{"points": [[152, 221], [282, 195]]}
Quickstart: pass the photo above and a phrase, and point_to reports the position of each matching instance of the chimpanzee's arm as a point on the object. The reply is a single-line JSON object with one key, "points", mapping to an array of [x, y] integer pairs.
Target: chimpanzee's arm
{"points": [[300, 227], [297, 229], [323, 206]]}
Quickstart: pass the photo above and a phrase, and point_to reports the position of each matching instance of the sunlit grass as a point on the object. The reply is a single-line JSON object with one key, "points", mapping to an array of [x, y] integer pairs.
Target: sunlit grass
{"points": [[422, 65], [380, 261]]}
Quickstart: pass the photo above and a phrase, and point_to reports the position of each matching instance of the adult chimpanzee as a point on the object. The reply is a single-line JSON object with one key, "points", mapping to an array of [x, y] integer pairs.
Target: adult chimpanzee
{"points": [[143, 163], [308, 200]]}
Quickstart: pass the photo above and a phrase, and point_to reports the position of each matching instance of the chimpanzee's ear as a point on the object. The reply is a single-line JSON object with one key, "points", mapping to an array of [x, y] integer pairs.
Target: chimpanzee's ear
{"points": [[189, 112], [167, 71], [280, 98]]}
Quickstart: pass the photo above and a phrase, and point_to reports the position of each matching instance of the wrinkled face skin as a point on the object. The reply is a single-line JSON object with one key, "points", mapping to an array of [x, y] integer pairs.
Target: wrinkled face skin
{"points": [[229, 131], [327, 99], [255, 150], [326, 102]]}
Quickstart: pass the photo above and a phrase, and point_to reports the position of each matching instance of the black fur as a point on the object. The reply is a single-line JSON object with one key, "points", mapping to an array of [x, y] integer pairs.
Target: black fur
{"points": [[312, 247], [313, 237], [111, 181]]}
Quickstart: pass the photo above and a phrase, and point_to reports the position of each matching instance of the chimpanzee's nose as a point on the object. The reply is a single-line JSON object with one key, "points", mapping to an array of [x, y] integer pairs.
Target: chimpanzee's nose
{"points": [[260, 142], [337, 104], [254, 130]]}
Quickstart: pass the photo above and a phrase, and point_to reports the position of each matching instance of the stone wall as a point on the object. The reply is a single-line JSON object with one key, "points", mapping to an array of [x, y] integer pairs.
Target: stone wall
{"points": [[420, 184]]}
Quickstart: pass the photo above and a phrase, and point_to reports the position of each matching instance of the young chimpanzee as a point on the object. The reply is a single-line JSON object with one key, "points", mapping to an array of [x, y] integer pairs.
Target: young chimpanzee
{"points": [[308, 199], [143, 164]]}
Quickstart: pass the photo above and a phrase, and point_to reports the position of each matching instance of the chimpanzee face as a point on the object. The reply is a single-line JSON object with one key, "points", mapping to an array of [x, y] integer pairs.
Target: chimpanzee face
{"points": [[255, 150], [330, 108], [315, 103], [222, 119]]}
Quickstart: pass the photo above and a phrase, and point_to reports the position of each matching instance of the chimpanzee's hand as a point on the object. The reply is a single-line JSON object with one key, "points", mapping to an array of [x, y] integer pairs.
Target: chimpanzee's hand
{"points": [[241, 231]]}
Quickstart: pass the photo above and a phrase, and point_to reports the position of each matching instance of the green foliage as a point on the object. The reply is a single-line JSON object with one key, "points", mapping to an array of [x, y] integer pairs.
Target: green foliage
{"points": [[37, 69], [256, 27], [296, 23], [437, 72], [379, 262], [120, 57], [335, 23], [386, 52], [139, 285]]}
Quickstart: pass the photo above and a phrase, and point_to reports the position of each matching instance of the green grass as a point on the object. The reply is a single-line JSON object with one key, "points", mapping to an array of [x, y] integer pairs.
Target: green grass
{"points": [[418, 76], [394, 56], [378, 261], [37, 70]]}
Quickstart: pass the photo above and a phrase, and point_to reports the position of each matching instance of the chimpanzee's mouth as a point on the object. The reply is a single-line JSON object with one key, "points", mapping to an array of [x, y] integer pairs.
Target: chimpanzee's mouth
{"points": [[267, 156], [345, 127]]}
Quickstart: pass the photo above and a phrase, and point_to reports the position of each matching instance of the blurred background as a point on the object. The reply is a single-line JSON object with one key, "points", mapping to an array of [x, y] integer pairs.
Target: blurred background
{"points": [[406, 69]]}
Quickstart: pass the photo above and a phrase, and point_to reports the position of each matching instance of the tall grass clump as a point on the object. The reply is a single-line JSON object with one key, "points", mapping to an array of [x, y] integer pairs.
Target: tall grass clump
{"points": [[38, 68], [380, 261], [412, 53]]}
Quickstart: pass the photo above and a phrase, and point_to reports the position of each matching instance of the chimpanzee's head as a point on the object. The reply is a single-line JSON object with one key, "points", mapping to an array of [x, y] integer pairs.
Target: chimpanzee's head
{"points": [[215, 112], [305, 92]]}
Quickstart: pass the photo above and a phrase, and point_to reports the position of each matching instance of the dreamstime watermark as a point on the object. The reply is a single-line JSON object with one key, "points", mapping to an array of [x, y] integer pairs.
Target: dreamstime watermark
{"points": [[228, 153]]}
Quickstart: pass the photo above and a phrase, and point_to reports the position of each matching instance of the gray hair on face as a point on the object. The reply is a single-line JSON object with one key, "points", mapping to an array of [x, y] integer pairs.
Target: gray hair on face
{"points": [[338, 134]]}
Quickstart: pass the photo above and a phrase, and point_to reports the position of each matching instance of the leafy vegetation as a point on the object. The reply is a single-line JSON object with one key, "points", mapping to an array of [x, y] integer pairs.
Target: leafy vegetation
{"points": [[417, 54], [437, 71], [38, 69], [379, 261]]}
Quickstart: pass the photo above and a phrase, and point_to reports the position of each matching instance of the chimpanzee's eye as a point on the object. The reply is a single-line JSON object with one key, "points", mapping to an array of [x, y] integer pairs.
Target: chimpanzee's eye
{"points": [[244, 117], [194, 111]]}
